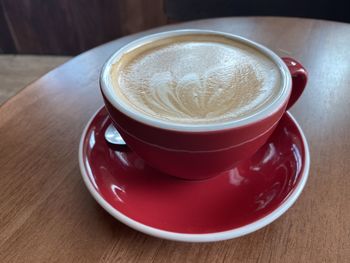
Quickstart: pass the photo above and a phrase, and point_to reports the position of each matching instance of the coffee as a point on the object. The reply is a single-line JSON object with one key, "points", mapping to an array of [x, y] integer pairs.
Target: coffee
{"points": [[196, 79]]}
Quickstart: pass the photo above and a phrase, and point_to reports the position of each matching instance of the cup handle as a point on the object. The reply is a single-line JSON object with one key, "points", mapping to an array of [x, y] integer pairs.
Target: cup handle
{"points": [[299, 79]]}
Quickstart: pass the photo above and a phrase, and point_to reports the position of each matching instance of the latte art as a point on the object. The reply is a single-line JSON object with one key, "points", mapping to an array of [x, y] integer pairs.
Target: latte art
{"points": [[205, 81], [224, 90]]}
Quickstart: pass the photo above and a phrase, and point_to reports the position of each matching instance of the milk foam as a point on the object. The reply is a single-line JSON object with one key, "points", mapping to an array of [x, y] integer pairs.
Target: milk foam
{"points": [[196, 80]]}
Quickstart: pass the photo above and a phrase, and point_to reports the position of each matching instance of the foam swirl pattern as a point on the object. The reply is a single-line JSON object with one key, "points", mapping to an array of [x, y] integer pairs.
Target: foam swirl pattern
{"points": [[197, 80]]}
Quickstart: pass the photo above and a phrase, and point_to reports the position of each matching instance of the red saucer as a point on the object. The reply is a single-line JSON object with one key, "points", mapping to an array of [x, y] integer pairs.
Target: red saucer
{"points": [[234, 203]]}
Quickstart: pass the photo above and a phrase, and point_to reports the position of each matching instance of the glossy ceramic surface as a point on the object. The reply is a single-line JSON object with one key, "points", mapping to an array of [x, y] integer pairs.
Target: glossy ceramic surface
{"points": [[200, 151], [234, 203]]}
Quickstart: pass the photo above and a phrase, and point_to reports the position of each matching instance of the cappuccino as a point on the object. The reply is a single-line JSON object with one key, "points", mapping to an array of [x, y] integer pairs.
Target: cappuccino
{"points": [[196, 79]]}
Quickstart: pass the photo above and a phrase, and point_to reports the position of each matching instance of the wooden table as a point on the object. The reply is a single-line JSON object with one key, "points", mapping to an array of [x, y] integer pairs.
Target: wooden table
{"points": [[17, 71], [47, 214]]}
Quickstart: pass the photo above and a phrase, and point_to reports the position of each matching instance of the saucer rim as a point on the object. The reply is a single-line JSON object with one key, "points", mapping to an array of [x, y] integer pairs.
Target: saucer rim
{"points": [[205, 237]]}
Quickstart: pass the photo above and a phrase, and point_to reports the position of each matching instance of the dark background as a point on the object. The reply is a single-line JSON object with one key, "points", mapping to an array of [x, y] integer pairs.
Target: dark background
{"points": [[69, 27]]}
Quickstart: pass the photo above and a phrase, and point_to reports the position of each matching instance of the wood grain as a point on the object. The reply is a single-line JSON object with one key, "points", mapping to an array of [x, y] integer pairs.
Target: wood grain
{"points": [[47, 215], [17, 71]]}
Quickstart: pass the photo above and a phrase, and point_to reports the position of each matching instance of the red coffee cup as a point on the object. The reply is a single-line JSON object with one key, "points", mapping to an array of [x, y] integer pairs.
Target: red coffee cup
{"points": [[200, 151]]}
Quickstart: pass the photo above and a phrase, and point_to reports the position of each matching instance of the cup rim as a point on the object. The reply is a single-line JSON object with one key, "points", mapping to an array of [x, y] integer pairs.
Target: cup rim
{"points": [[278, 102]]}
